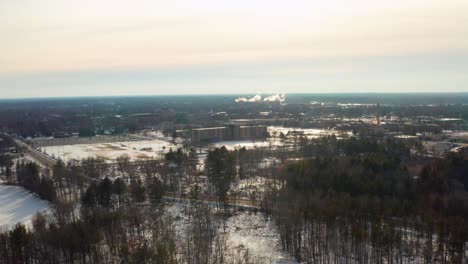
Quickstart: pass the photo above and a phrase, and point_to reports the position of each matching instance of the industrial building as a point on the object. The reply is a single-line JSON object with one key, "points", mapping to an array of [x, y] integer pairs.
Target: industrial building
{"points": [[230, 132]]}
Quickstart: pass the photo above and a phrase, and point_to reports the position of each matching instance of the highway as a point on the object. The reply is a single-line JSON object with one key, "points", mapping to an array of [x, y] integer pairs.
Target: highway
{"points": [[40, 157]]}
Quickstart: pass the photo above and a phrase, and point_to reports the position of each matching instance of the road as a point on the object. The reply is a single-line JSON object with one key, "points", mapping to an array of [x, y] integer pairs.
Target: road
{"points": [[40, 157]]}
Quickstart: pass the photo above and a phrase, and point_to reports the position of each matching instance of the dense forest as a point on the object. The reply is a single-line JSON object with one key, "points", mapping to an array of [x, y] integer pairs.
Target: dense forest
{"points": [[354, 200], [331, 200], [116, 214], [118, 221]]}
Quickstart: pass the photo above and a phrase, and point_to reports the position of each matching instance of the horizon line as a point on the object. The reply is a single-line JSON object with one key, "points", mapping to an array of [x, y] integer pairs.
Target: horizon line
{"points": [[221, 94]]}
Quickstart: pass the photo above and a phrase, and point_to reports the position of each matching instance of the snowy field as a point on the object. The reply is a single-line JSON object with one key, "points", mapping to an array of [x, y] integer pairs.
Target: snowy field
{"points": [[17, 205], [137, 150], [148, 149], [274, 142], [154, 149]]}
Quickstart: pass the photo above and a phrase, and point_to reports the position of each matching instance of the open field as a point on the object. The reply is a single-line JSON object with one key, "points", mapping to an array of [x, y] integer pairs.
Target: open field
{"points": [[17, 205], [143, 149]]}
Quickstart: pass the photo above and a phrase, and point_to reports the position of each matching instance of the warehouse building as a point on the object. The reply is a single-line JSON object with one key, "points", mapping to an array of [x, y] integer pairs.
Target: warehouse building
{"points": [[230, 132]]}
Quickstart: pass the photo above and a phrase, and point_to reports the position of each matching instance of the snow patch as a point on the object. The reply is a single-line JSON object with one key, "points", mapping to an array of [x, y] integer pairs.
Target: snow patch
{"points": [[17, 205], [137, 150]]}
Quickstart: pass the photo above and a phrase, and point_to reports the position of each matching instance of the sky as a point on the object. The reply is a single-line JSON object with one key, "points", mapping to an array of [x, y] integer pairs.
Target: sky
{"points": [[60, 48]]}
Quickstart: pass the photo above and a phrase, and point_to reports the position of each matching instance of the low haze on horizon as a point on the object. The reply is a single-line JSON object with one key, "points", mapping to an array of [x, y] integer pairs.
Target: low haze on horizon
{"points": [[98, 48]]}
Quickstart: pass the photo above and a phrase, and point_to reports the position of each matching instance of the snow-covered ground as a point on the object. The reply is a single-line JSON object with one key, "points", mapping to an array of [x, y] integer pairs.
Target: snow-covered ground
{"points": [[251, 188], [274, 142], [246, 231], [147, 149], [308, 132], [237, 144], [17, 205], [143, 149], [258, 235]]}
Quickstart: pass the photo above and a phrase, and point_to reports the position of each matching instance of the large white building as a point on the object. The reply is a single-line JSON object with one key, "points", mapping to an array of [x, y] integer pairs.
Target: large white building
{"points": [[230, 132]]}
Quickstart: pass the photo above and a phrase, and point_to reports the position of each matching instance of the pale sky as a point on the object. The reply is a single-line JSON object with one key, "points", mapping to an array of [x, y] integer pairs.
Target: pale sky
{"points": [[115, 47]]}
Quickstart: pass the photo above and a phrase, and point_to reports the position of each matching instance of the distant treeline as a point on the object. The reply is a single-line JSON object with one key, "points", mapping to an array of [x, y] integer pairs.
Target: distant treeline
{"points": [[117, 115]]}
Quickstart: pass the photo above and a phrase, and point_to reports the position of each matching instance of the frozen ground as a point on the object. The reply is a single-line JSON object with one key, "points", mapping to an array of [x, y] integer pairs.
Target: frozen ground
{"points": [[244, 230], [273, 142], [17, 205], [258, 235], [308, 132], [237, 144], [251, 188], [143, 149]]}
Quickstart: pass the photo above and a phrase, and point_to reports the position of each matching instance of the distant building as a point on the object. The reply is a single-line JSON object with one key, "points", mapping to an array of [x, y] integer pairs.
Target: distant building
{"points": [[60, 135], [183, 133], [251, 132], [210, 134], [449, 123], [230, 132]]}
